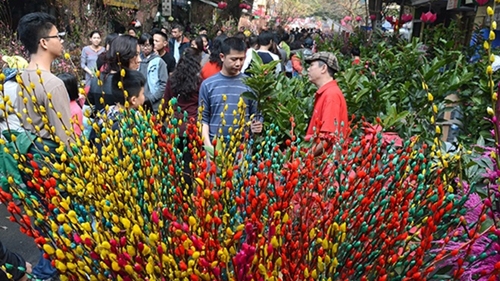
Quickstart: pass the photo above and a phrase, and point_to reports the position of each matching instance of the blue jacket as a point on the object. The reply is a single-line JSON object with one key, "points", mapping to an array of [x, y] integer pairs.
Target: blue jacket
{"points": [[155, 71]]}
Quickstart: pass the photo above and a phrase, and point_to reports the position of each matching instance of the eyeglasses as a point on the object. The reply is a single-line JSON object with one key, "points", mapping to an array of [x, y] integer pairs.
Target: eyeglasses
{"points": [[59, 35]]}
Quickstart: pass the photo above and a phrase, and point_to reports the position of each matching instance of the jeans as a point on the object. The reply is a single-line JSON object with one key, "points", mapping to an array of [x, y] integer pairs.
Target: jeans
{"points": [[44, 268]]}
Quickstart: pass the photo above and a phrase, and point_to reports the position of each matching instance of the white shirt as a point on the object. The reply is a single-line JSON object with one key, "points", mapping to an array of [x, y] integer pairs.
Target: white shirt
{"points": [[248, 59], [11, 89], [177, 56]]}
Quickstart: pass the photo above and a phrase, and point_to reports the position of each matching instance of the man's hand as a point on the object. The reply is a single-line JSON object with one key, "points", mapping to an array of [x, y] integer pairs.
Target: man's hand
{"points": [[28, 271], [256, 127]]}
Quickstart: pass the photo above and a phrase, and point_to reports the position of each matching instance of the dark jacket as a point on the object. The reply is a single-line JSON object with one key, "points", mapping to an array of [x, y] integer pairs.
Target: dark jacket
{"points": [[168, 58], [12, 262], [185, 43]]}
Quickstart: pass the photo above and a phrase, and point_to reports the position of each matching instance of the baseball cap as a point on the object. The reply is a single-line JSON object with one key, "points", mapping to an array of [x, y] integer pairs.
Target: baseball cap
{"points": [[326, 57], [16, 62]]}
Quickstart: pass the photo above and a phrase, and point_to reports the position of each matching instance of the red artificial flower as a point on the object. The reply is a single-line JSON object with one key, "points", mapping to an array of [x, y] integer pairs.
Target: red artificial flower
{"points": [[428, 17], [222, 5], [358, 18], [406, 18], [243, 6], [373, 17], [482, 2], [390, 19]]}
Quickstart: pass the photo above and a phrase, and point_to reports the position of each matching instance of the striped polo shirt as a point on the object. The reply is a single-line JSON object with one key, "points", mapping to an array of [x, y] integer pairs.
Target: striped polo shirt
{"points": [[211, 95]]}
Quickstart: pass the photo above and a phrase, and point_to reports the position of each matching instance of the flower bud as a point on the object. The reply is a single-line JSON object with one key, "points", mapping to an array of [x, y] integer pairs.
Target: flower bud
{"points": [[490, 11], [489, 70], [490, 111]]}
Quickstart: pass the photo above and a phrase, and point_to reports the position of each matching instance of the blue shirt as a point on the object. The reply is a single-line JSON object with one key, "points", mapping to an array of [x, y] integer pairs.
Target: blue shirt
{"points": [[211, 98]]}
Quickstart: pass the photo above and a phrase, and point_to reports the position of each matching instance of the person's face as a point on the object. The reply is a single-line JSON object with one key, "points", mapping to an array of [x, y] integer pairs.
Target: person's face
{"points": [[135, 102], [219, 32], [53, 42], [164, 30], [159, 42], [176, 33], [315, 71], [135, 62], [203, 32], [205, 42], [146, 49], [95, 39], [193, 44], [232, 62], [132, 33]]}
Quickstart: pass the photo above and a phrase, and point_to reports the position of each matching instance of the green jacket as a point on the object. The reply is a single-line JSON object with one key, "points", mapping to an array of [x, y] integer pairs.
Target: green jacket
{"points": [[22, 146]]}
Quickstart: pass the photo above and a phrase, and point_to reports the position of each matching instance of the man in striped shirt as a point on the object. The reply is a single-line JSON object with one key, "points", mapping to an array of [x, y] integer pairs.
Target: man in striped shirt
{"points": [[225, 88]]}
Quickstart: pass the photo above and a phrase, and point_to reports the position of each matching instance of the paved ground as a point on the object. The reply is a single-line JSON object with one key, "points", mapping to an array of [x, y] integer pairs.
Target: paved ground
{"points": [[15, 240]]}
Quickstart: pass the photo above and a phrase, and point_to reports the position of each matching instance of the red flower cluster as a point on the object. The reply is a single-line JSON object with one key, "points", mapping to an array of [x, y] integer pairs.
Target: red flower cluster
{"points": [[245, 6]]}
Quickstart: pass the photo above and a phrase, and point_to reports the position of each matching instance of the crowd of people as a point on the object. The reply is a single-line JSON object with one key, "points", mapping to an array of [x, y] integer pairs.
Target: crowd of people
{"points": [[153, 68]]}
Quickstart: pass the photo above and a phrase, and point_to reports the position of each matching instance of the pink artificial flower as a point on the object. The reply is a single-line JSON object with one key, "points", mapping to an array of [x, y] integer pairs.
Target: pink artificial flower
{"points": [[428, 17], [358, 18], [390, 19], [373, 17], [406, 18], [222, 5], [482, 2], [347, 18]]}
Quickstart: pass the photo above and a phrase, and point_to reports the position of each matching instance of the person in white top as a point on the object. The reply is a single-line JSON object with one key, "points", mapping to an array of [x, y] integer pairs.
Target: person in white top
{"points": [[253, 43], [178, 43], [8, 118]]}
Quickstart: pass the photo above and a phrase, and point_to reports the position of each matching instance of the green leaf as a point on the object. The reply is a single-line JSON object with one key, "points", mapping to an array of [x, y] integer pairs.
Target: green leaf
{"points": [[249, 95]]}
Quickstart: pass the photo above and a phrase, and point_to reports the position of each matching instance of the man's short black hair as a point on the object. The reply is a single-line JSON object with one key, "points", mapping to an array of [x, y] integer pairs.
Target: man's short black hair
{"points": [[33, 27], [266, 38], [162, 34], [233, 43], [133, 82], [203, 29], [285, 37]]}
